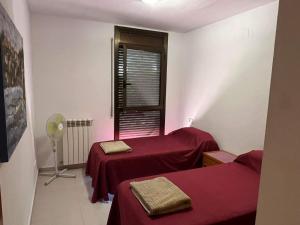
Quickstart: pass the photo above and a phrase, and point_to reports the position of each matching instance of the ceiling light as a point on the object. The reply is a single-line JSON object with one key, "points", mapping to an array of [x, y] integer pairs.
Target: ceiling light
{"points": [[151, 2]]}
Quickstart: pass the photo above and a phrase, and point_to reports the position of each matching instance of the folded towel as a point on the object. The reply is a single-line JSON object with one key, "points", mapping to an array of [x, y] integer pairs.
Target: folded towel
{"points": [[160, 196], [112, 147]]}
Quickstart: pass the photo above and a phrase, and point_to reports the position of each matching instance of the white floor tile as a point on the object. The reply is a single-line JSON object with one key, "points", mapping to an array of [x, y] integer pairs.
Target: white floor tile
{"points": [[66, 201]]}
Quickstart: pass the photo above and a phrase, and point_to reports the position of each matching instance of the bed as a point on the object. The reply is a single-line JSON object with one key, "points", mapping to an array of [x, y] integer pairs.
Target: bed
{"points": [[180, 150], [221, 195]]}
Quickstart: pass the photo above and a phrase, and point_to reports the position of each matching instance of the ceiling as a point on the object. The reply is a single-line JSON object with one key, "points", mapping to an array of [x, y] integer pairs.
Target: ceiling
{"points": [[170, 15]]}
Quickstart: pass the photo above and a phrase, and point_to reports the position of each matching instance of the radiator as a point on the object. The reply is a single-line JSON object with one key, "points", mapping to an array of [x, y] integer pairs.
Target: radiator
{"points": [[77, 141]]}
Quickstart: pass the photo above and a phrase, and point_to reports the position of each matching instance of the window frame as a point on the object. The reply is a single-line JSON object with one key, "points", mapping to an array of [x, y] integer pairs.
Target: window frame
{"points": [[142, 40]]}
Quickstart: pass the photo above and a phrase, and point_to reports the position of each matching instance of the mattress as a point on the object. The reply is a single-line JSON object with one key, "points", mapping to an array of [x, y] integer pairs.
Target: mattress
{"points": [[179, 150], [221, 195]]}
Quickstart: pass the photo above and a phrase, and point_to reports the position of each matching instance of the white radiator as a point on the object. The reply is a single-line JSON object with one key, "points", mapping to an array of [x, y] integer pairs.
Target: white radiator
{"points": [[77, 141]]}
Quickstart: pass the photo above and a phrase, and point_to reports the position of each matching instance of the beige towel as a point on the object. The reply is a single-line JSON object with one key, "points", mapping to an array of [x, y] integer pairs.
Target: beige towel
{"points": [[160, 196], [112, 147]]}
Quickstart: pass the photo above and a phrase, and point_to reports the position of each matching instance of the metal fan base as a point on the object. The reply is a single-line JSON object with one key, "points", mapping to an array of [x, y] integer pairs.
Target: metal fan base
{"points": [[57, 175]]}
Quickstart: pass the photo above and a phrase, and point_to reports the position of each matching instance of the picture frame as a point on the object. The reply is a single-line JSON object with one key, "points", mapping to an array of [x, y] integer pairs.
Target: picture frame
{"points": [[13, 116]]}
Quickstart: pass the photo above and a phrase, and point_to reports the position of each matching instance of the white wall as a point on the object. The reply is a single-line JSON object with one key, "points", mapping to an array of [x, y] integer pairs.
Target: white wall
{"points": [[279, 200], [72, 76], [175, 78], [18, 176], [218, 75], [227, 77]]}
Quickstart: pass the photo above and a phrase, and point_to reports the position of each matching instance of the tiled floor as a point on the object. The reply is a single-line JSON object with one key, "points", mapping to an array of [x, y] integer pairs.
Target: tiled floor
{"points": [[66, 202]]}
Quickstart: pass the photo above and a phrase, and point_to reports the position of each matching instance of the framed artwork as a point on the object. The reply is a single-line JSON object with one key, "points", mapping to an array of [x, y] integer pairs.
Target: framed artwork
{"points": [[13, 117]]}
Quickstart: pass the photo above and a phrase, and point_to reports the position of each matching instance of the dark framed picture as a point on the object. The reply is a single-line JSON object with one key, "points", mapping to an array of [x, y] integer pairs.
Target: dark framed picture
{"points": [[13, 117]]}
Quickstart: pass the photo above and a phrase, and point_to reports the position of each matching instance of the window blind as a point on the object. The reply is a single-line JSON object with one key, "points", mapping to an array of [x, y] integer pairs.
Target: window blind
{"points": [[138, 86], [139, 124], [143, 78]]}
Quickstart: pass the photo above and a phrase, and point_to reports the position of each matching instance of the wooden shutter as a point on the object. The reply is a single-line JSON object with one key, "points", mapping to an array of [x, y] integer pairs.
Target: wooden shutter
{"points": [[120, 79]]}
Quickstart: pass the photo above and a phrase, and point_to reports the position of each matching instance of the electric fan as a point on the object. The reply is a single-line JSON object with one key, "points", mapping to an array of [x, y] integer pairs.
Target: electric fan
{"points": [[55, 131]]}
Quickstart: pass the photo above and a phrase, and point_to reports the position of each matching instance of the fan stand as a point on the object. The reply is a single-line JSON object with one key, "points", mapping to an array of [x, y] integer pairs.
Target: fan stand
{"points": [[57, 173]]}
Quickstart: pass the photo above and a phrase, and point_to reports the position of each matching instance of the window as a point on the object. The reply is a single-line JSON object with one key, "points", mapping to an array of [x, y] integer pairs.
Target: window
{"points": [[140, 82]]}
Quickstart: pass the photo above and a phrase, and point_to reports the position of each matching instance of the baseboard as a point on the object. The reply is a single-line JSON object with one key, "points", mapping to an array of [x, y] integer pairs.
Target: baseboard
{"points": [[31, 208], [70, 167]]}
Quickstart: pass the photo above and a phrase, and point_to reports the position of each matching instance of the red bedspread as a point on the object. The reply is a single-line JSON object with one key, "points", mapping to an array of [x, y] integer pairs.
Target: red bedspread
{"points": [[180, 150], [221, 195]]}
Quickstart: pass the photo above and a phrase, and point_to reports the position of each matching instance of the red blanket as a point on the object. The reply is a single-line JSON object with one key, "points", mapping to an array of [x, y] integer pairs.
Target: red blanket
{"points": [[221, 195], [180, 150]]}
